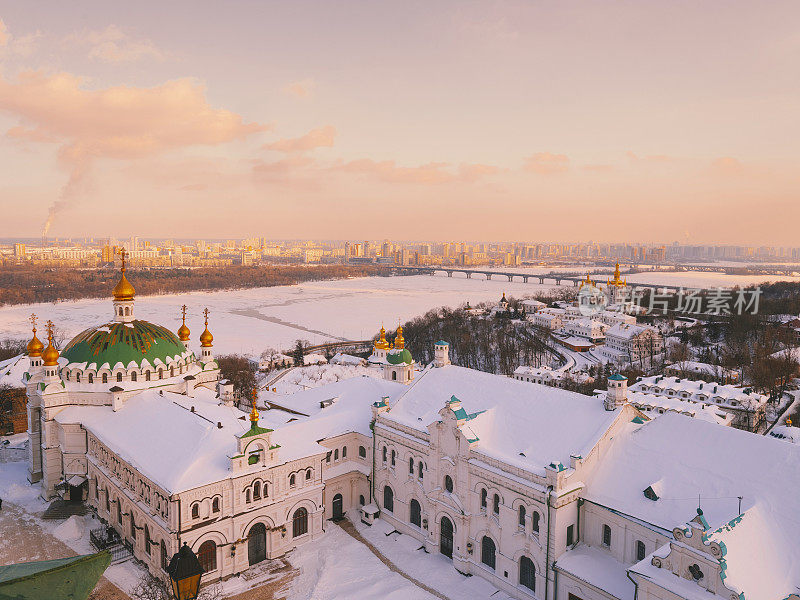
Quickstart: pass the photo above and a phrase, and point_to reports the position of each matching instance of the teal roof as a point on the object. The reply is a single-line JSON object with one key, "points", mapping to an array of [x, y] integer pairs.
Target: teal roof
{"points": [[453, 399], [122, 343], [618, 377], [442, 343], [254, 430], [397, 357]]}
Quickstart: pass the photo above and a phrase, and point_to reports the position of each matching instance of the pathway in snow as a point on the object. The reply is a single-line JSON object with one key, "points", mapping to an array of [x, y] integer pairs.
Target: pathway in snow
{"points": [[350, 528]]}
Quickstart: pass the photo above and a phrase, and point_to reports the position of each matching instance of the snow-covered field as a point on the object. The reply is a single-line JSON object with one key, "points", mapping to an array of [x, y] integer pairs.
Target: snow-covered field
{"points": [[303, 378], [249, 321]]}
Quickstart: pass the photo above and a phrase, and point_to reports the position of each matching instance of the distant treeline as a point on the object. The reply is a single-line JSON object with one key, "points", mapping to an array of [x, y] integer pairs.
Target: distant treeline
{"points": [[25, 285]]}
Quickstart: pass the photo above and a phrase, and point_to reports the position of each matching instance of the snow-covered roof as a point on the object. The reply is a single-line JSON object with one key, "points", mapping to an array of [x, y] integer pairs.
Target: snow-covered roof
{"points": [[691, 366], [650, 403], [12, 370], [698, 390], [627, 331], [566, 423], [690, 457], [786, 433], [598, 567], [346, 359]]}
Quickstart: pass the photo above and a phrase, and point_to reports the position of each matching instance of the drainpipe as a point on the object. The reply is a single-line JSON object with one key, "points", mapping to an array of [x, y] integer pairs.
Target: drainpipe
{"points": [[635, 585], [555, 584], [578, 532], [372, 479], [179, 522], [547, 554]]}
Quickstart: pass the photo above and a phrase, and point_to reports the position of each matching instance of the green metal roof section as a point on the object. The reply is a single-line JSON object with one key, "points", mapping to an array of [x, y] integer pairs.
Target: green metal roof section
{"points": [[618, 377], [397, 357], [71, 578], [638, 420], [442, 343], [124, 343], [255, 430]]}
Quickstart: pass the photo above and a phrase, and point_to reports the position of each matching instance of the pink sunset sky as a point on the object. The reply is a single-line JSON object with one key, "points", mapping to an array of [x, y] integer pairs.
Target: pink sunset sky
{"points": [[611, 121]]}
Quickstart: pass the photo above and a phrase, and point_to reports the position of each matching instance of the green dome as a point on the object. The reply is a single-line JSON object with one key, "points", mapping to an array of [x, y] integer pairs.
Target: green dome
{"points": [[122, 343], [395, 357]]}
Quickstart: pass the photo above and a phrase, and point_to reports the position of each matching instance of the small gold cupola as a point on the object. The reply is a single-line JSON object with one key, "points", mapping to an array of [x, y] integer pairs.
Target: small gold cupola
{"points": [[124, 290], [35, 346], [50, 354], [253, 411], [399, 341], [206, 339], [382, 344], [183, 330]]}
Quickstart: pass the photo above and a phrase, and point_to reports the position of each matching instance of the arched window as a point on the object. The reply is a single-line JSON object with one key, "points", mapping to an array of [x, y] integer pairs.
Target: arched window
{"points": [[344, 452], [448, 483], [133, 376], [362, 452], [527, 573], [147, 375], [394, 455], [388, 499], [419, 470], [207, 555], [195, 511], [488, 552], [77, 377], [535, 522], [308, 474], [91, 378], [361, 500], [291, 480], [300, 522], [641, 552], [247, 496], [410, 466], [164, 560], [108, 504], [336, 454], [394, 375], [521, 519], [172, 371], [496, 504], [415, 513], [483, 498], [119, 376], [119, 512], [146, 539], [133, 527], [161, 373], [105, 377], [383, 455], [127, 311], [606, 535], [215, 505], [257, 490]]}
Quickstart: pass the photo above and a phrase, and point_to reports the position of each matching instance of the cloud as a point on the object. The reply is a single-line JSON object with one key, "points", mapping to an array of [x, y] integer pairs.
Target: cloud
{"points": [[300, 89], [112, 45], [316, 138], [17, 45], [430, 173], [727, 165], [117, 122], [546, 163]]}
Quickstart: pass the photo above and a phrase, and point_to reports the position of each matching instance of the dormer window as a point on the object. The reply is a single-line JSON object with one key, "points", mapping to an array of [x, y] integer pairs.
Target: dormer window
{"points": [[292, 480]]}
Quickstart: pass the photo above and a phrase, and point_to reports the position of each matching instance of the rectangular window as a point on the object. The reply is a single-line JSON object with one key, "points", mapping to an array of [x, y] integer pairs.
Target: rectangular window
{"points": [[570, 535], [640, 550], [606, 535]]}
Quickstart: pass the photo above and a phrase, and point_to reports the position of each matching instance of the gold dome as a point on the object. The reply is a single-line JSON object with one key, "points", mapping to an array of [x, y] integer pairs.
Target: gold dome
{"points": [[399, 342], [124, 290], [183, 330], [50, 354], [254, 412], [206, 339], [382, 344], [35, 346]]}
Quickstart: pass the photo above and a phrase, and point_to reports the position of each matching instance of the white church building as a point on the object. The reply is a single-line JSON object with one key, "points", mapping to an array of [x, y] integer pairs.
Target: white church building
{"points": [[545, 493]]}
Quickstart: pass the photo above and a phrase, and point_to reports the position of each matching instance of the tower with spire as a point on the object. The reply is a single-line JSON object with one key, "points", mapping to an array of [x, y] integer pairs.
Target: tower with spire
{"points": [[399, 365], [50, 357], [380, 348], [34, 348], [616, 288]]}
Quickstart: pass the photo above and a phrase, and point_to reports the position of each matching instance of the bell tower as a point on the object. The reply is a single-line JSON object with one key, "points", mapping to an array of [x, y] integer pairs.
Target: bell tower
{"points": [[124, 294]]}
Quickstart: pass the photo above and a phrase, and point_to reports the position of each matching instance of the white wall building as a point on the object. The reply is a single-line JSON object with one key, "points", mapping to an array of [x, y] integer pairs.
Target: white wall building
{"points": [[626, 343]]}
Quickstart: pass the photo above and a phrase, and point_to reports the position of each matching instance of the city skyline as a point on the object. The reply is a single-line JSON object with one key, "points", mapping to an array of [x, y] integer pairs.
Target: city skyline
{"points": [[486, 121]]}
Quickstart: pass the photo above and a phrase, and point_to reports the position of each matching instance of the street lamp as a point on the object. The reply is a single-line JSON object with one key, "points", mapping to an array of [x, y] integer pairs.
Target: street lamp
{"points": [[184, 574]]}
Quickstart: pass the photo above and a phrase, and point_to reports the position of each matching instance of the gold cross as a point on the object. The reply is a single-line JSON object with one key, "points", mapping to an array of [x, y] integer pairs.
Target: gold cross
{"points": [[183, 311], [50, 327], [33, 321], [123, 253], [205, 314]]}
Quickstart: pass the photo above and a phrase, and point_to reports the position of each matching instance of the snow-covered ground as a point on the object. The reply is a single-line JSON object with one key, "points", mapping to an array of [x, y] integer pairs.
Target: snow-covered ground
{"points": [[250, 321]]}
